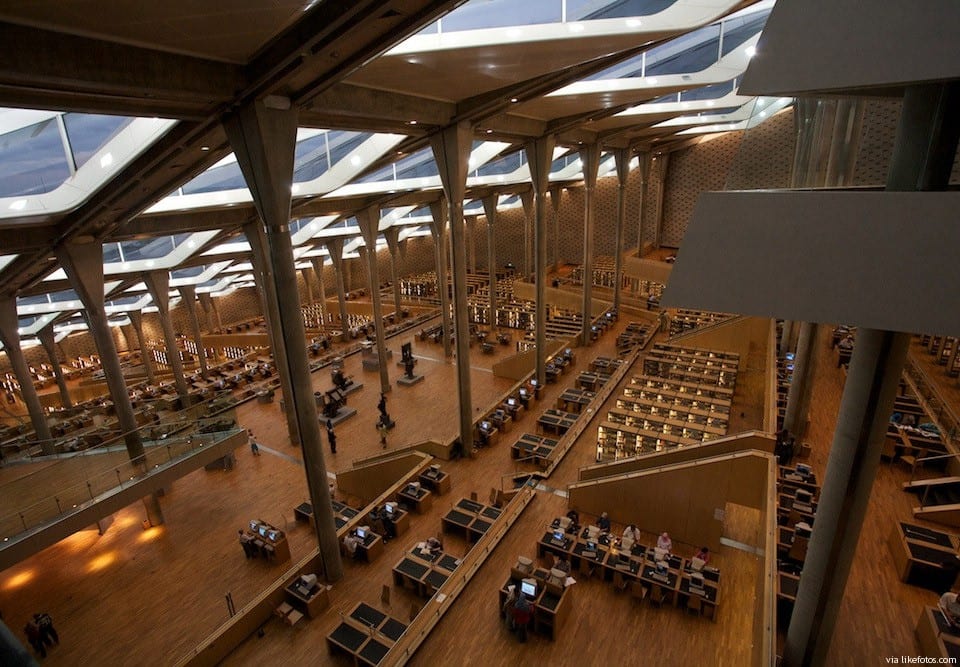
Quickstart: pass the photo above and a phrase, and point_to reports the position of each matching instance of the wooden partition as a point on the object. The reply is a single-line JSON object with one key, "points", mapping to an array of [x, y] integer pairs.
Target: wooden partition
{"points": [[220, 341], [770, 390], [731, 444], [368, 478], [520, 365], [743, 335], [647, 269], [559, 298], [686, 499]]}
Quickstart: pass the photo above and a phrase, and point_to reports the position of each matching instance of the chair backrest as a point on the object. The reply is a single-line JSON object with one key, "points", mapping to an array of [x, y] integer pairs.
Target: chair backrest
{"points": [[524, 563], [385, 594], [626, 544], [593, 532], [565, 522], [558, 575]]}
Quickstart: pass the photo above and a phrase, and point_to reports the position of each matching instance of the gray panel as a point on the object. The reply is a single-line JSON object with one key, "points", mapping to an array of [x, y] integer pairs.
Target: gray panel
{"points": [[842, 45], [886, 260]]}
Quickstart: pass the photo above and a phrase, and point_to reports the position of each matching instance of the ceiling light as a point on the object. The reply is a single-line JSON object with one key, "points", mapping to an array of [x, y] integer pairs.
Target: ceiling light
{"points": [[106, 160], [204, 148], [710, 103], [751, 51], [514, 100], [652, 80], [355, 160], [575, 27], [411, 122], [634, 23], [489, 131], [18, 205]]}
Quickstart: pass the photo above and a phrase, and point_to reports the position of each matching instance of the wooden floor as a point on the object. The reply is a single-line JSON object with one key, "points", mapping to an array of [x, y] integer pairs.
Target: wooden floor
{"points": [[133, 593]]}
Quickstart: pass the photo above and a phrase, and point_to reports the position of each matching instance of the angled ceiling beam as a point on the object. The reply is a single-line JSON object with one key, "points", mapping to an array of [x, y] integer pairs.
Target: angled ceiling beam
{"points": [[345, 105], [43, 69]]}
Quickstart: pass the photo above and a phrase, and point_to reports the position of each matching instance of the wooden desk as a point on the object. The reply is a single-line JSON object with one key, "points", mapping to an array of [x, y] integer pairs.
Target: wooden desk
{"points": [[709, 598], [550, 611], [420, 500], [548, 544], [400, 519], [669, 581], [574, 400], [438, 484], [426, 573], [535, 447], [924, 557], [470, 519], [936, 637], [556, 421], [370, 548], [366, 635], [311, 605]]}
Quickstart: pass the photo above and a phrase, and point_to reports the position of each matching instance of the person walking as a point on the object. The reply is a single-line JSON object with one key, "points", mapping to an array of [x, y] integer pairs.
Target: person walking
{"points": [[32, 630], [331, 437], [383, 430], [254, 447], [48, 634]]}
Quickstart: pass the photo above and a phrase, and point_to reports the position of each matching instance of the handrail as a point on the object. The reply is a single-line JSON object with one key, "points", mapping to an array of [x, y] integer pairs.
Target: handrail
{"points": [[683, 335], [914, 372]]}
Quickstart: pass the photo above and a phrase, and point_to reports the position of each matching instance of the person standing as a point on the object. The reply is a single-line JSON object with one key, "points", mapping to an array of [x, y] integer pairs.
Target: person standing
{"points": [[382, 429], [48, 634], [331, 437], [32, 630], [254, 447]]}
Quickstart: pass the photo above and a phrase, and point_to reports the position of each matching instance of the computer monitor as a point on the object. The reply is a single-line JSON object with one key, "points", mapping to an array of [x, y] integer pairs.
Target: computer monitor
{"points": [[534, 383], [524, 393], [262, 530], [696, 580], [661, 567], [485, 426], [435, 469], [528, 587], [390, 509], [254, 525], [696, 564], [558, 535], [659, 554], [804, 469], [512, 402], [361, 533], [591, 546], [568, 352], [272, 535]]}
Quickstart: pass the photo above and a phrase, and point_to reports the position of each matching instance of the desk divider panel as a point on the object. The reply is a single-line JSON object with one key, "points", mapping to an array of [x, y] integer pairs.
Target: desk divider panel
{"points": [[370, 478]]}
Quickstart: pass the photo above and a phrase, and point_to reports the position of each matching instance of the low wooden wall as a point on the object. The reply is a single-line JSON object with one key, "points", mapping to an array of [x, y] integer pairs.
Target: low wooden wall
{"points": [[368, 478], [731, 444], [559, 298], [647, 269], [522, 364], [686, 499]]}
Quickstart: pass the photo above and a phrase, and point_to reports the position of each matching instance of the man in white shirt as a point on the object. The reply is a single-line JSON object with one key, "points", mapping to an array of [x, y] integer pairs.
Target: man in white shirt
{"points": [[664, 542]]}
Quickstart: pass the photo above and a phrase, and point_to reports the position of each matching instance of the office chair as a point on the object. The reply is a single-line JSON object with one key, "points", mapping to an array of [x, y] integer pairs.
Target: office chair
{"points": [[493, 496], [473, 496], [657, 596], [549, 560], [587, 567], [415, 608], [637, 591], [385, 595], [695, 605], [619, 581]]}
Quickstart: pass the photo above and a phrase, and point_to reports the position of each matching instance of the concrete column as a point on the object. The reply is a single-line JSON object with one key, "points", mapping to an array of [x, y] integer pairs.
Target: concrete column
{"points": [[526, 198], [590, 159], [644, 172], [369, 219], [335, 248], [555, 194], [794, 418], [146, 354], [46, 337], [622, 157], [438, 227], [83, 264], [663, 161], [392, 235], [953, 354], [540, 157], [158, 284], [472, 244], [318, 271], [923, 155], [451, 150], [305, 274], [10, 337], [188, 294], [266, 281], [263, 135], [490, 209]]}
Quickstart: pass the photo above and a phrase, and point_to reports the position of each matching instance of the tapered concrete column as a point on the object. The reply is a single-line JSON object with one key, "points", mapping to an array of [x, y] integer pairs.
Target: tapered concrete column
{"points": [[590, 159], [188, 294], [555, 194], [146, 355], [266, 281], [526, 199], [451, 150], [263, 135], [308, 288], [472, 244], [490, 209], [208, 305], [335, 248], [317, 263], [643, 170], [663, 164], [392, 235], [158, 284], [10, 338], [622, 156], [794, 418], [438, 228], [369, 219], [922, 159], [540, 157], [47, 339], [83, 264]]}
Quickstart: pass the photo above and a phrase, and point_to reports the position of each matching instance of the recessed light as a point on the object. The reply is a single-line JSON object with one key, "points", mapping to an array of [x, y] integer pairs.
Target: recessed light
{"points": [[18, 205], [751, 51], [514, 100], [489, 131], [204, 148], [411, 122], [106, 160]]}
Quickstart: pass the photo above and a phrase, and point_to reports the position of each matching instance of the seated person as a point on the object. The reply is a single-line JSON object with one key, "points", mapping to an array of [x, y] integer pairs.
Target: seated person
{"points": [[350, 543], [434, 545], [603, 523], [631, 532], [574, 517], [704, 555], [664, 542], [950, 607], [562, 564]]}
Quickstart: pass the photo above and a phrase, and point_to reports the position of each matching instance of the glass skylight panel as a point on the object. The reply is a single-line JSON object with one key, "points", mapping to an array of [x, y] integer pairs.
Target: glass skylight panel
{"points": [[588, 10], [692, 52], [738, 30], [564, 161], [501, 166], [155, 248], [88, 133], [712, 92], [419, 164], [224, 177], [187, 272], [311, 159], [478, 14], [342, 144], [32, 160], [6, 259]]}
